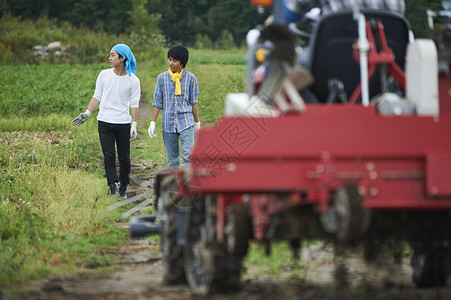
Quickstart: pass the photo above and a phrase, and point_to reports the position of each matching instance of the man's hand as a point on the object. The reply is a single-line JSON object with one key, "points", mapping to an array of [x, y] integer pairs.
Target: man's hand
{"points": [[81, 118], [133, 132], [151, 130]]}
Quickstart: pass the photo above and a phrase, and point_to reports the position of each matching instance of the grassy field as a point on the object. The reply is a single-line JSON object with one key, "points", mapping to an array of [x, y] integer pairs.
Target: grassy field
{"points": [[53, 193]]}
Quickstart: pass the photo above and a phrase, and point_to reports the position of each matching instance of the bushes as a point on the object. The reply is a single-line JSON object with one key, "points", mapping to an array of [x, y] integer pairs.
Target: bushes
{"points": [[224, 42], [143, 33], [82, 46], [18, 36], [203, 42]]}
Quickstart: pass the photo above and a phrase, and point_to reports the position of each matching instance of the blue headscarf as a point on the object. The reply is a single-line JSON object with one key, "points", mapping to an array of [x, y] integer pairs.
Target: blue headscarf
{"points": [[130, 63]]}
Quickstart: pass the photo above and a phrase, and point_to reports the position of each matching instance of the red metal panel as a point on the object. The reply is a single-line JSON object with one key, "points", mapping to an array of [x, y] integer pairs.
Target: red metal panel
{"points": [[320, 149], [341, 130], [439, 174]]}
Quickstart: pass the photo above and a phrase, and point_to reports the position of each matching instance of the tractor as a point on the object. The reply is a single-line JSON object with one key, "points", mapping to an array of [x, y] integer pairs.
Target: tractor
{"points": [[353, 147]]}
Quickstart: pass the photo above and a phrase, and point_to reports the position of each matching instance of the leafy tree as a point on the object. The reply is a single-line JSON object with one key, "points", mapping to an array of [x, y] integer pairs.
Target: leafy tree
{"points": [[117, 20], [235, 16], [203, 42], [225, 42], [181, 20], [96, 14], [143, 33]]}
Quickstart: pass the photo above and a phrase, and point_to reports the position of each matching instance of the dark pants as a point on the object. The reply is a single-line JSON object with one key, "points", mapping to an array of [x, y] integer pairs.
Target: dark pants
{"points": [[112, 135]]}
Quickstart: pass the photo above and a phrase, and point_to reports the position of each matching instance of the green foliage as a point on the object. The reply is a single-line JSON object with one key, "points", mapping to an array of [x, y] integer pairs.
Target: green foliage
{"points": [[233, 57], [416, 14], [109, 15], [53, 122], [81, 46], [35, 90], [203, 42], [151, 150], [18, 36], [185, 19], [75, 148], [52, 217], [216, 80], [225, 42], [279, 264], [143, 33]]}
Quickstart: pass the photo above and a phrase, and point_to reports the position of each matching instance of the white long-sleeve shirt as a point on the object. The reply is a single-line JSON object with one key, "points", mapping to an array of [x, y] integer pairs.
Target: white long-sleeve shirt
{"points": [[116, 95]]}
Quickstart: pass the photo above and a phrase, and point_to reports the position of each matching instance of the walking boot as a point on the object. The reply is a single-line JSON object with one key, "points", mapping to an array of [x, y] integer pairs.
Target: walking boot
{"points": [[122, 191], [114, 189]]}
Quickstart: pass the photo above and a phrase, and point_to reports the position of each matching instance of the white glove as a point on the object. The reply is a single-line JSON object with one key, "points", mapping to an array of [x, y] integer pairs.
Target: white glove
{"points": [[151, 130], [133, 132], [196, 126], [81, 118]]}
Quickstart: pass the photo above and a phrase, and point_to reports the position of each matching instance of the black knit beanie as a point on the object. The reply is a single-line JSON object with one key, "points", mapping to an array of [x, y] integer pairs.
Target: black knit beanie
{"points": [[180, 53]]}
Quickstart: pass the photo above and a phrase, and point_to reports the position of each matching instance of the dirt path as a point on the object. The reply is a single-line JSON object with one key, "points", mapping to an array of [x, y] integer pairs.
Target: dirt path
{"points": [[139, 275]]}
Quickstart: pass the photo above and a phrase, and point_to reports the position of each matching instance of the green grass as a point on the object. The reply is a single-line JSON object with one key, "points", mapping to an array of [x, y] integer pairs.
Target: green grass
{"points": [[53, 218], [35, 90], [203, 57], [218, 73], [215, 82], [280, 264]]}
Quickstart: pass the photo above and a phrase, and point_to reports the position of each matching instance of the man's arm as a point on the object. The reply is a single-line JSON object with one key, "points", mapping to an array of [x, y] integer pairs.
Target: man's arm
{"points": [[195, 113], [93, 104], [134, 114], [156, 111]]}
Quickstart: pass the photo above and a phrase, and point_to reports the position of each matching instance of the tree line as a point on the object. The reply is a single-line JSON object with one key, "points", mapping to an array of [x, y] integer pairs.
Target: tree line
{"points": [[181, 21], [184, 21]]}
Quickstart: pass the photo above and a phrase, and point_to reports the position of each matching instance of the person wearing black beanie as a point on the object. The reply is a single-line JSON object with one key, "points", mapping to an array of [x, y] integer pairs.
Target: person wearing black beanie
{"points": [[176, 93]]}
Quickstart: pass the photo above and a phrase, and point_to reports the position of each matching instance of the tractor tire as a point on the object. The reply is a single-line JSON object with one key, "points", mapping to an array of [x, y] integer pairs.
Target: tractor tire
{"points": [[428, 267], [351, 213], [172, 254], [238, 230], [208, 266]]}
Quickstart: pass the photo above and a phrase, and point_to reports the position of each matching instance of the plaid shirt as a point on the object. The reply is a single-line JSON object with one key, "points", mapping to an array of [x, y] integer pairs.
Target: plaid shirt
{"points": [[301, 7], [177, 110]]}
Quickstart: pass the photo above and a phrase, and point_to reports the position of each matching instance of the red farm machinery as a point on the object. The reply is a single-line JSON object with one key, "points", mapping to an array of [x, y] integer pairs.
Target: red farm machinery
{"points": [[352, 158]]}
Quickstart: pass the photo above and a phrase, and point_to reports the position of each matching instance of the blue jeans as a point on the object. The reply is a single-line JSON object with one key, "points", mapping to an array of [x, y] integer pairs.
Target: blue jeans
{"points": [[171, 144]]}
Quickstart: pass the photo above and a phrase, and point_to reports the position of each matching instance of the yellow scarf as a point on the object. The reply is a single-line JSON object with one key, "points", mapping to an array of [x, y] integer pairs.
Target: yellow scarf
{"points": [[176, 78]]}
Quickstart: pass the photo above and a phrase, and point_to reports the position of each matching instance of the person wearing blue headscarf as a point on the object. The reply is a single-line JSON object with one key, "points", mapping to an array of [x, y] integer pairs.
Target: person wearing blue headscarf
{"points": [[130, 61], [117, 92]]}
